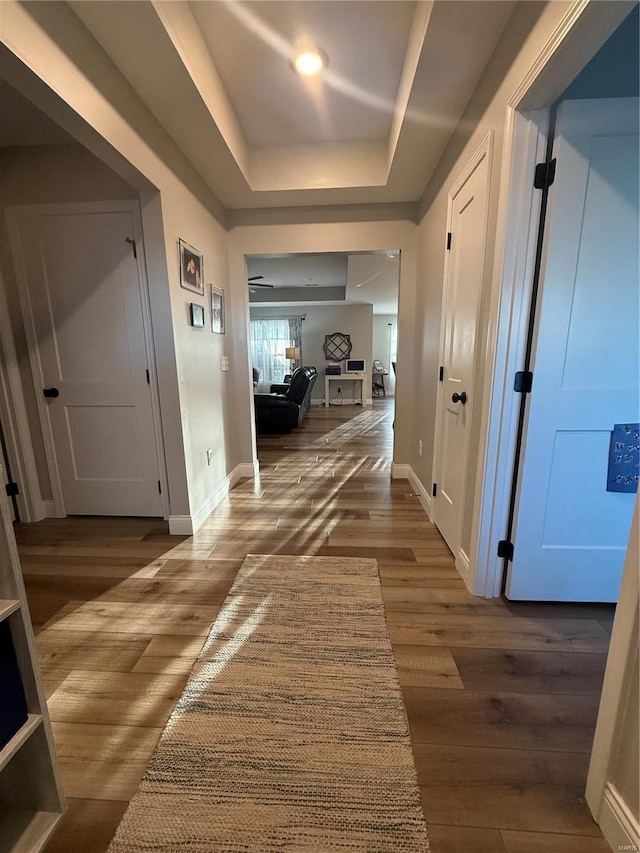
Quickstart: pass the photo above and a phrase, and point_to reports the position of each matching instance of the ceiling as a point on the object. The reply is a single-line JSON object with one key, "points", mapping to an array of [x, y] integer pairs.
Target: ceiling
{"points": [[371, 128], [273, 105], [370, 277]]}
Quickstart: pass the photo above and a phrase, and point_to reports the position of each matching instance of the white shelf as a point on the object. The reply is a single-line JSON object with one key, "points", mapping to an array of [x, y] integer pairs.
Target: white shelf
{"points": [[7, 607], [31, 797], [9, 750], [23, 831]]}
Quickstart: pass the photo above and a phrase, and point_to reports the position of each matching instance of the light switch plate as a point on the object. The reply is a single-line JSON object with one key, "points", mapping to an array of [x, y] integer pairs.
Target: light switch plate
{"points": [[224, 362]]}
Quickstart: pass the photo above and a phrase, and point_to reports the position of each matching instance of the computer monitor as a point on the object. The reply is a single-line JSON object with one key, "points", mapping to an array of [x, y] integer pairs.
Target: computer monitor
{"points": [[355, 365]]}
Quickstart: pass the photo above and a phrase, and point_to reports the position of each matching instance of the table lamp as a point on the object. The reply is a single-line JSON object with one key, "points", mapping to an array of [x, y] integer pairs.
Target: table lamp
{"points": [[292, 353]]}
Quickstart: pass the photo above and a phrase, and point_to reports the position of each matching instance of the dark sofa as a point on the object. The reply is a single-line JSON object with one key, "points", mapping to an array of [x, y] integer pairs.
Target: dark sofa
{"points": [[285, 408]]}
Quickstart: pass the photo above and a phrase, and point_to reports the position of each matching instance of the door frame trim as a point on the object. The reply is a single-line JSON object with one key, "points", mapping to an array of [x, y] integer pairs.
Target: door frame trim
{"points": [[484, 152], [580, 34], [13, 414], [14, 214]]}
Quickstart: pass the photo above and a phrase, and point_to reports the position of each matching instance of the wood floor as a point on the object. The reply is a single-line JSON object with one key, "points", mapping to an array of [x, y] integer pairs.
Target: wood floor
{"points": [[501, 698]]}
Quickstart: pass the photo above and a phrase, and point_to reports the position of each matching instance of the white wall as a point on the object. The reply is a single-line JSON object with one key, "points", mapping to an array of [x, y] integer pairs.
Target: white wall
{"points": [[99, 107], [321, 320], [334, 237], [383, 325]]}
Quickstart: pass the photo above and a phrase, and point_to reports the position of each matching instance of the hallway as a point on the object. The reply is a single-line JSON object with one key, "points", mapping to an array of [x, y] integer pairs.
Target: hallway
{"points": [[501, 698]]}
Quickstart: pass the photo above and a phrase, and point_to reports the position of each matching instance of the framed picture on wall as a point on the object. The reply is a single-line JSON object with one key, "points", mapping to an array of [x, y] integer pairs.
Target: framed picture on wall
{"points": [[217, 310], [191, 268], [196, 314]]}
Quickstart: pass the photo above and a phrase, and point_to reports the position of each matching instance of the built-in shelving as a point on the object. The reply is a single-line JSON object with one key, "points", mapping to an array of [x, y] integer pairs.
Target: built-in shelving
{"points": [[24, 831], [31, 798], [7, 607], [10, 749]]}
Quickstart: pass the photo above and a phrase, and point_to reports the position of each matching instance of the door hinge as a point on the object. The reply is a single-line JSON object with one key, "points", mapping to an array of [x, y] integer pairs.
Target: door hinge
{"points": [[441, 373], [159, 487], [523, 382], [148, 379], [132, 243], [12, 490], [545, 174], [505, 549], [434, 489], [449, 238]]}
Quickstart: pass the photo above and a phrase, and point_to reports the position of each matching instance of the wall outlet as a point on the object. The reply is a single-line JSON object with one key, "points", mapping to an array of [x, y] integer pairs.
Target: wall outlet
{"points": [[209, 456], [420, 447], [224, 363]]}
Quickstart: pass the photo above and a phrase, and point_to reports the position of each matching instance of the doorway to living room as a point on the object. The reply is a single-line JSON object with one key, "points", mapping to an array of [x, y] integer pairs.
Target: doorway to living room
{"points": [[337, 312]]}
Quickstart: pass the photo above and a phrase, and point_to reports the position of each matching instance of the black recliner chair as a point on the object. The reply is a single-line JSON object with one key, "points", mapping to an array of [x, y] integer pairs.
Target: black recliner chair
{"points": [[285, 408]]}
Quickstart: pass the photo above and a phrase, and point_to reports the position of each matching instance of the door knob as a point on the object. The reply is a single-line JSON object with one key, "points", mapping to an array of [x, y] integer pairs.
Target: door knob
{"points": [[459, 398], [50, 392]]}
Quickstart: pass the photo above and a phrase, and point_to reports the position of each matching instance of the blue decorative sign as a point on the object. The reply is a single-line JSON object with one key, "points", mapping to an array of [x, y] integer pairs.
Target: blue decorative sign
{"points": [[624, 458]]}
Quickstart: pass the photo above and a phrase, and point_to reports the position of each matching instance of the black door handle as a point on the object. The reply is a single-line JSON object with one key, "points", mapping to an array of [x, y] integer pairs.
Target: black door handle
{"points": [[459, 398], [50, 392]]}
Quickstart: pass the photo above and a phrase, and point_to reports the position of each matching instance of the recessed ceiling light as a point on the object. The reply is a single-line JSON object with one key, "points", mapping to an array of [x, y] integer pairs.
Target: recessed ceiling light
{"points": [[309, 62]]}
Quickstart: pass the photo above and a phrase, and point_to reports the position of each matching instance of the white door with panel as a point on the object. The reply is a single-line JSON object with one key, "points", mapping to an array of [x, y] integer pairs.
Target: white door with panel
{"points": [[463, 286], [84, 308], [571, 533]]}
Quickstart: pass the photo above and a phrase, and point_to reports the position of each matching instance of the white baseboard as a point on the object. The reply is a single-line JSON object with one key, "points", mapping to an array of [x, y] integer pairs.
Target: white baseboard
{"points": [[180, 525], [49, 509], [463, 566], [349, 401], [619, 827], [406, 472], [248, 469], [400, 471], [186, 525]]}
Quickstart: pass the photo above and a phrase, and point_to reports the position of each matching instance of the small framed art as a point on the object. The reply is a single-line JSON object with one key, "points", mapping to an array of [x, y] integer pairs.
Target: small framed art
{"points": [[191, 268], [217, 310], [196, 313]]}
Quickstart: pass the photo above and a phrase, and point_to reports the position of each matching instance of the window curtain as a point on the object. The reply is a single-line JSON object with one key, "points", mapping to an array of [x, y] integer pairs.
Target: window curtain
{"points": [[295, 334], [269, 339]]}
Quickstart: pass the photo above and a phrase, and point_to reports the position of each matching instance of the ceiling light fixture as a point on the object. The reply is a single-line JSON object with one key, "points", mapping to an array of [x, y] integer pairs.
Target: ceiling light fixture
{"points": [[310, 62]]}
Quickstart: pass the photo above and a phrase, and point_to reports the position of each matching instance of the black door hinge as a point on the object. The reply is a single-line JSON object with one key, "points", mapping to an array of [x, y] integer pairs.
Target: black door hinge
{"points": [[12, 490], [449, 241], [132, 243], [148, 379], [434, 489], [544, 175], [505, 549], [523, 382], [159, 487], [441, 373]]}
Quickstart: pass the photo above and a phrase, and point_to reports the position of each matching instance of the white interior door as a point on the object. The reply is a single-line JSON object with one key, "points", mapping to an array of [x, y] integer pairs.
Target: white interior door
{"points": [[85, 304], [570, 533], [463, 285]]}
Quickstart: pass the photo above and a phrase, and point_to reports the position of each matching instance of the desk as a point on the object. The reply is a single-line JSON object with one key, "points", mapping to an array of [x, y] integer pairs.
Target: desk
{"points": [[340, 379]]}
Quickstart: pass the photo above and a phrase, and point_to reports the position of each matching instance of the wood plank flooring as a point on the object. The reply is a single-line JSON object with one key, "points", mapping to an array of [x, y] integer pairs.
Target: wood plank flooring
{"points": [[501, 698]]}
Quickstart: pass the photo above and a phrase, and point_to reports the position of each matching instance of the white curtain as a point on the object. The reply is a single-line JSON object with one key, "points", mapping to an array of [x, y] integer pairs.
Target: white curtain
{"points": [[269, 339]]}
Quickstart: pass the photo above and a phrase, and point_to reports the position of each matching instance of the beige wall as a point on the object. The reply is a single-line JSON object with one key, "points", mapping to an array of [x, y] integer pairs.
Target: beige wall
{"points": [[528, 30], [321, 320], [98, 106], [42, 174]]}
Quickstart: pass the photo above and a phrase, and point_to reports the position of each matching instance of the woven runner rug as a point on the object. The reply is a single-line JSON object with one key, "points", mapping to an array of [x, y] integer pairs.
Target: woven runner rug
{"points": [[291, 734]]}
